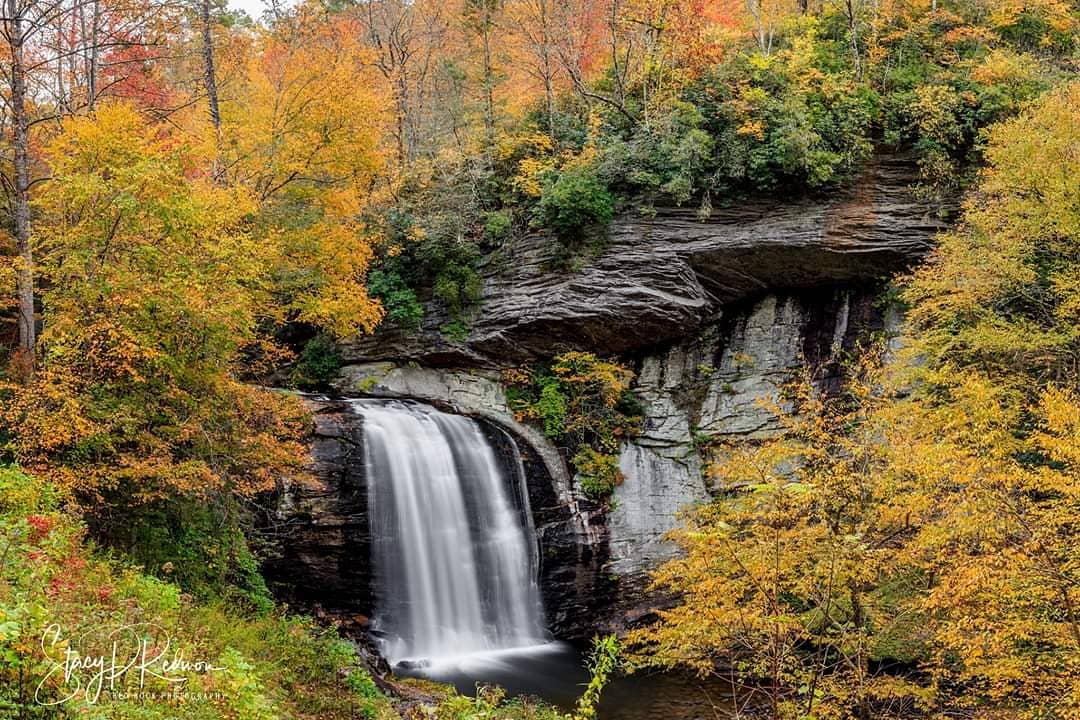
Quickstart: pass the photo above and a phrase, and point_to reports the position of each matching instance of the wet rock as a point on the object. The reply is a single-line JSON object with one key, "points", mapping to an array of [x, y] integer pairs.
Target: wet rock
{"points": [[575, 586], [318, 532], [322, 535]]}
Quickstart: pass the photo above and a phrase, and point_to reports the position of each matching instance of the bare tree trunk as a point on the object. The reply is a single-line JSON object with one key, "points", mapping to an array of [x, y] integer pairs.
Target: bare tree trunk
{"points": [[546, 65], [92, 70], [209, 74], [853, 32], [21, 143], [549, 96], [405, 117], [486, 28], [763, 34]]}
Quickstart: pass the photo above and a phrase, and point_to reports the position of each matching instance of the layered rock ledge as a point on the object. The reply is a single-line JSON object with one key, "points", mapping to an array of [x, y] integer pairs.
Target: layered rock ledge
{"points": [[658, 279]]}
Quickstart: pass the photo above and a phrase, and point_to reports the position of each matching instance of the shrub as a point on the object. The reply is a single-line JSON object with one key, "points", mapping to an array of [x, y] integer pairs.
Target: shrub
{"points": [[397, 298], [551, 407], [585, 403], [458, 286], [670, 155], [491, 702], [318, 364], [199, 545], [789, 120], [576, 205], [21, 494], [598, 472], [497, 226], [603, 662]]}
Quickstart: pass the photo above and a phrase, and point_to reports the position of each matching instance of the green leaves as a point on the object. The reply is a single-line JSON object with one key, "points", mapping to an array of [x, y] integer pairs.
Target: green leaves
{"points": [[576, 206], [582, 401]]}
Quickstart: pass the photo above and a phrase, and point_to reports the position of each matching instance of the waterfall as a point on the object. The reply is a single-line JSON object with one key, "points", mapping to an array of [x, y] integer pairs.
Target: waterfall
{"points": [[453, 547]]}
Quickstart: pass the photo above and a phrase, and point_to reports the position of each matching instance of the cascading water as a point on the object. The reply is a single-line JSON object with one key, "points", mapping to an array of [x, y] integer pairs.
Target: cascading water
{"points": [[453, 547]]}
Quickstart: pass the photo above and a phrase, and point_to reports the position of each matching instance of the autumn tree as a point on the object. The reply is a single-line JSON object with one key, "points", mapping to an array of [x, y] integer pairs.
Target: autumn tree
{"points": [[994, 419], [51, 49], [301, 132], [210, 78], [407, 40], [170, 253], [604, 30], [537, 31], [481, 21], [926, 517], [780, 584], [154, 283]]}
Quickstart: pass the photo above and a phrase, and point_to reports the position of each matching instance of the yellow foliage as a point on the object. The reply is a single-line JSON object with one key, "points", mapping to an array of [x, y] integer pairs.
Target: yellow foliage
{"points": [[928, 514], [301, 134], [1057, 14], [153, 283], [1004, 67]]}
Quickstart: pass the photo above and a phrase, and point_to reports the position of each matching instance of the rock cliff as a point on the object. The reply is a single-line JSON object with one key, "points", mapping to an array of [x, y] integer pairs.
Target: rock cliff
{"points": [[659, 279], [714, 316]]}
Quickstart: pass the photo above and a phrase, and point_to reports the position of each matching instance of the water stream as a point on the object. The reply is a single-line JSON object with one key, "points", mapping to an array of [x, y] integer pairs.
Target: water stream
{"points": [[453, 549], [455, 560]]}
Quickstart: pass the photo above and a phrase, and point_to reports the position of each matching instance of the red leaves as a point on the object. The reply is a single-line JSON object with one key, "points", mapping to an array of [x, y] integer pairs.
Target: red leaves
{"points": [[40, 526]]}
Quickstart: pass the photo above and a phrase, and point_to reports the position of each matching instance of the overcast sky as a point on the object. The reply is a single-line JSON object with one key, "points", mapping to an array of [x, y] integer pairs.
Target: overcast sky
{"points": [[254, 8]]}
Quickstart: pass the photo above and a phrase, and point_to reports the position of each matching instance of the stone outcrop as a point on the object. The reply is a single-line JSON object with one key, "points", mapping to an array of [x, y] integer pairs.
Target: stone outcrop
{"points": [[715, 316], [724, 384], [320, 529], [659, 279]]}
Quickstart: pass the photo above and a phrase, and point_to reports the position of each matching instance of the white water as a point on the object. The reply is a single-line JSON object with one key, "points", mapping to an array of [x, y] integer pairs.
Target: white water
{"points": [[452, 541]]}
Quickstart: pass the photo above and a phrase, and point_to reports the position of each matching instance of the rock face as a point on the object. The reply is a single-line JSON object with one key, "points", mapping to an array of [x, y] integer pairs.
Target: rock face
{"points": [[714, 316], [724, 384], [322, 529], [660, 279]]}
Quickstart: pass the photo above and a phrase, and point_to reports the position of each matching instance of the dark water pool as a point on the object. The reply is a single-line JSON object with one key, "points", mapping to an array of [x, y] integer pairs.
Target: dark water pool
{"points": [[556, 673]]}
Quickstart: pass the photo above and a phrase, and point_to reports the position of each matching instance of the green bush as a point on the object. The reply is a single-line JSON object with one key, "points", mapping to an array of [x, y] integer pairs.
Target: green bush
{"points": [[318, 363], [458, 287], [491, 703], [597, 472], [670, 156], [21, 494], [497, 226], [431, 244], [201, 546], [551, 407], [456, 330], [585, 404], [576, 205], [397, 298], [783, 121], [604, 661]]}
